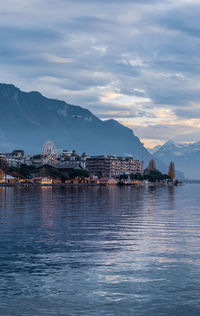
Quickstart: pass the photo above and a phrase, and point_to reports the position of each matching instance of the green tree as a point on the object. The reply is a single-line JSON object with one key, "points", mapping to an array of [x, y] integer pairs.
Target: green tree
{"points": [[78, 173], [156, 175], [24, 170], [136, 176]]}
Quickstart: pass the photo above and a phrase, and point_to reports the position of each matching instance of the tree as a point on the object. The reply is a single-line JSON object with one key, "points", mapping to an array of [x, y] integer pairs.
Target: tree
{"points": [[136, 176], [4, 166], [156, 175], [78, 173], [152, 165], [24, 170], [2, 174], [171, 172]]}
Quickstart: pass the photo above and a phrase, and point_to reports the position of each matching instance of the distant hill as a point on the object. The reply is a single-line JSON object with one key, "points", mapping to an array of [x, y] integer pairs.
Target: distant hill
{"points": [[185, 156], [28, 120]]}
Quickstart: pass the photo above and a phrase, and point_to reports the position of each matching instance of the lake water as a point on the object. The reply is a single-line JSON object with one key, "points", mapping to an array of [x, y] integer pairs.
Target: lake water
{"points": [[100, 251]]}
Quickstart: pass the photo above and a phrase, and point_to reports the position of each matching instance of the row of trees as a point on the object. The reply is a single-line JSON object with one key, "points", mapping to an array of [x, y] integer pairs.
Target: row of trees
{"points": [[26, 171], [152, 174], [171, 172]]}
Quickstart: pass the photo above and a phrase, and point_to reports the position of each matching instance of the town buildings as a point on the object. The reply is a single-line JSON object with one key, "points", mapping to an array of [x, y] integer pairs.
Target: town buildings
{"points": [[15, 158], [73, 159], [101, 166]]}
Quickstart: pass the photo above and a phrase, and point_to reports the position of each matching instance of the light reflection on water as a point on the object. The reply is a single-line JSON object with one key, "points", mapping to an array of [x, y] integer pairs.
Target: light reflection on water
{"points": [[100, 251]]}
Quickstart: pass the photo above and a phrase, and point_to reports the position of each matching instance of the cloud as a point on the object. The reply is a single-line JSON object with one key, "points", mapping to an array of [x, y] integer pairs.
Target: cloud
{"points": [[136, 61], [57, 59]]}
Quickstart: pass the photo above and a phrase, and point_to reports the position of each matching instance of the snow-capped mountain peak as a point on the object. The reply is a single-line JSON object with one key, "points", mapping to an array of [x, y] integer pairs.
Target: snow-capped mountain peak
{"points": [[186, 156]]}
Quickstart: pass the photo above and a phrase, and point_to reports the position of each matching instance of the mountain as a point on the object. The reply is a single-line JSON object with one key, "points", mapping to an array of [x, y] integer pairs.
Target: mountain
{"points": [[28, 120], [185, 155], [153, 150]]}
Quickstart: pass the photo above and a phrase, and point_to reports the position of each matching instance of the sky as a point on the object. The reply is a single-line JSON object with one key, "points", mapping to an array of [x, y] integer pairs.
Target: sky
{"points": [[136, 61]]}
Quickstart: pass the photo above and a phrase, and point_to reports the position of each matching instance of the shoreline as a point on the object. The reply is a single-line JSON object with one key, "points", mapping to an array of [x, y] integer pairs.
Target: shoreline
{"points": [[2, 185]]}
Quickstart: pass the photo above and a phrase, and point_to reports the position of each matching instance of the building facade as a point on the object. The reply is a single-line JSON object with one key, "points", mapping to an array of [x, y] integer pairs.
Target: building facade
{"points": [[112, 166], [15, 158], [72, 158]]}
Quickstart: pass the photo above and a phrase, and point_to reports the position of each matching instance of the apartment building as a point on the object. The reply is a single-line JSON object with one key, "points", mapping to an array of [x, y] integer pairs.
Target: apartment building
{"points": [[112, 166]]}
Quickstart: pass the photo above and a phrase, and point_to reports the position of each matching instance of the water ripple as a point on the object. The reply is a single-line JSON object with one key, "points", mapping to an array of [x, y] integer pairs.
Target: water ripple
{"points": [[100, 251]]}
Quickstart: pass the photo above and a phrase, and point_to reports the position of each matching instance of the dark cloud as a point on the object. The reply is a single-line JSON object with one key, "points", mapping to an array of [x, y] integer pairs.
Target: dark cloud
{"points": [[183, 19], [191, 113]]}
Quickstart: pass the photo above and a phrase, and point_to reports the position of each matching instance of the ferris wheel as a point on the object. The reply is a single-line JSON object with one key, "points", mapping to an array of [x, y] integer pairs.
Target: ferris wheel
{"points": [[49, 149]]}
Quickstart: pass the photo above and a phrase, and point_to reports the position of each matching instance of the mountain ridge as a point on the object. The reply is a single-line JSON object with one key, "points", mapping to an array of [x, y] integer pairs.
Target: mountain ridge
{"points": [[185, 155]]}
